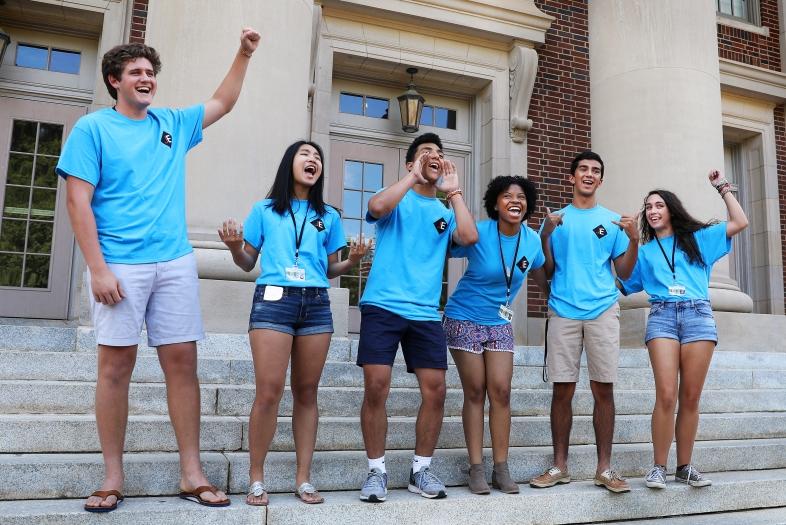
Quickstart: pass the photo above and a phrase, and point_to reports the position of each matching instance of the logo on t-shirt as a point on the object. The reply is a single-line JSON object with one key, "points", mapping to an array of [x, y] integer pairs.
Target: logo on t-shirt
{"points": [[319, 224], [523, 264], [600, 231], [441, 225], [166, 139]]}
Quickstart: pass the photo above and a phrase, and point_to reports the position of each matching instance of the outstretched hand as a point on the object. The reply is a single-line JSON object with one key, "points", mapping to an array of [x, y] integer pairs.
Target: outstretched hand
{"points": [[358, 249], [249, 40], [630, 225], [231, 234]]}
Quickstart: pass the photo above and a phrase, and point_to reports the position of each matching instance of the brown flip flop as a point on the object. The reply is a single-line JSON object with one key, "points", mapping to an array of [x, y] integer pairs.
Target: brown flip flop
{"points": [[103, 494], [194, 496]]}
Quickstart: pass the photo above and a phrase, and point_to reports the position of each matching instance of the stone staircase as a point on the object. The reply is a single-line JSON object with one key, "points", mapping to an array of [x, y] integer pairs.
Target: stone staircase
{"points": [[49, 448]]}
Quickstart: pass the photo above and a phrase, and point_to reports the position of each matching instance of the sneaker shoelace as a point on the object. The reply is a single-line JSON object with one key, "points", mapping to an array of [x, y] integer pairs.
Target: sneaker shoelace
{"points": [[614, 476], [554, 471], [693, 474], [375, 479], [656, 472], [427, 478]]}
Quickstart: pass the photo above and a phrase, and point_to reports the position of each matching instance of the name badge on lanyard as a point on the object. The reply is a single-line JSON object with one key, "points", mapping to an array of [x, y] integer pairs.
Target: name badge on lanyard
{"points": [[295, 273], [676, 289], [505, 311]]}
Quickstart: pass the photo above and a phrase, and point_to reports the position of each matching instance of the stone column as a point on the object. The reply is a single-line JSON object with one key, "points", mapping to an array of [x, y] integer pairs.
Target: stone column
{"points": [[656, 111]]}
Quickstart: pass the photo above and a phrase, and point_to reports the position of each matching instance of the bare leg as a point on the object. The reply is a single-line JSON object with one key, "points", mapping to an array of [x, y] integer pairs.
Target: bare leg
{"points": [[432, 408], [471, 369], [179, 363], [694, 362], [603, 422], [270, 350], [499, 374], [115, 365], [561, 422], [665, 360], [308, 359], [373, 415]]}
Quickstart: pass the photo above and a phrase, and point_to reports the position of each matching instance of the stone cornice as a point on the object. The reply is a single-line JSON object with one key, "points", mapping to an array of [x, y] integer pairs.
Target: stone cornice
{"points": [[500, 20], [753, 81]]}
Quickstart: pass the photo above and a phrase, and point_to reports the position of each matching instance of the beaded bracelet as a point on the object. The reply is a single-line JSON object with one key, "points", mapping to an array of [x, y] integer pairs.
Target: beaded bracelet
{"points": [[453, 193]]}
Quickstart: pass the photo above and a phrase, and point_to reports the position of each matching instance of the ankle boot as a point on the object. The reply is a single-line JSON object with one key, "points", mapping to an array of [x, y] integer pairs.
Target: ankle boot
{"points": [[477, 480], [500, 479]]}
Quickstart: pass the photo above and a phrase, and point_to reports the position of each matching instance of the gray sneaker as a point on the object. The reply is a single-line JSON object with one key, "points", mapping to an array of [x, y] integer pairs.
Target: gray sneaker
{"points": [[690, 476], [425, 483], [375, 489], [656, 477]]}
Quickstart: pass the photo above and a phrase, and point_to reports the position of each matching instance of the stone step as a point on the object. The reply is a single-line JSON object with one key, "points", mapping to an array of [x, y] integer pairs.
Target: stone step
{"points": [[731, 491], [61, 337], [59, 433], [29, 476], [773, 516], [72, 397], [76, 366]]}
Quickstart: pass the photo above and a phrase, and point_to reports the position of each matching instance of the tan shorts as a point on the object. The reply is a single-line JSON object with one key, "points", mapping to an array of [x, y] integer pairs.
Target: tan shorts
{"points": [[600, 337]]}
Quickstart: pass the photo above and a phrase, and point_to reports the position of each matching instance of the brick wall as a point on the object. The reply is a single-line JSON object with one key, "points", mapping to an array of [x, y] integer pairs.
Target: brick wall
{"points": [[780, 153], [560, 112], [138, 22], [751, 48]]}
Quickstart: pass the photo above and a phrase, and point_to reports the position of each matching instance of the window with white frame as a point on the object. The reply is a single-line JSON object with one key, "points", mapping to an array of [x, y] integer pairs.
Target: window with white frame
{"points": [[745, 10]]}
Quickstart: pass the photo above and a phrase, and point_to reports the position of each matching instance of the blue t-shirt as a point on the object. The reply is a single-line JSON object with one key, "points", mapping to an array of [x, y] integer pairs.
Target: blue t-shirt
{"points": [[412, 244], [138, 170], [481, 289], [273, 235], [652, 273], [583, 247]]}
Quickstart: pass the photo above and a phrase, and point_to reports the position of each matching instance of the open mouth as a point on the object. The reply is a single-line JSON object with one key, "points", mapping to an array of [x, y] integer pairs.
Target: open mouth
{"points": [[310, 169], [514, 210], [588, 182], [434, 165], [144, 90]]}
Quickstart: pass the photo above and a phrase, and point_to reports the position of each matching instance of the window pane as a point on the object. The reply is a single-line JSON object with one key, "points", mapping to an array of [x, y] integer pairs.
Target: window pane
{"points": [[49, 138], [427, 117], [10, 269], [23, 136], [20, 169], [12, 235], [377, 107], [64, 61], [40, 238], [372, 176], [37, 271], [351, 228], [43, 204], [740, 8], [366, 197], [350, 104], [451, 119], [369, 231], [45, 172], [724, 6], [32, 56], [16, 201], [352, 204], [353, 174]]}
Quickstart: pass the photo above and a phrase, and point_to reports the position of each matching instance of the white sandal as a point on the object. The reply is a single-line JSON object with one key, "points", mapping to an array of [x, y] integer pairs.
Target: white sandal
{"points": [[307, 488], [257, 490]]}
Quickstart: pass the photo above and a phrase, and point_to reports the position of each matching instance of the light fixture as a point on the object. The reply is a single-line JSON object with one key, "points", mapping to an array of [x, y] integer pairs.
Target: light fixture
{"points": [[5, 40], [411, 105]]}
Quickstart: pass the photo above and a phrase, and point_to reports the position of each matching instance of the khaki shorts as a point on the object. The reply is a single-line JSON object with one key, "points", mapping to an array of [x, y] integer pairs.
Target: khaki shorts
{"points": [[600, 337]]}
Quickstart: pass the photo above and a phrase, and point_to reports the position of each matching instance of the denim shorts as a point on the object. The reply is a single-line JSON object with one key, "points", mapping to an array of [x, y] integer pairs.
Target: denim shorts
{"points": [[477, 338], [686, 321], [381, 331], [300, 311]]}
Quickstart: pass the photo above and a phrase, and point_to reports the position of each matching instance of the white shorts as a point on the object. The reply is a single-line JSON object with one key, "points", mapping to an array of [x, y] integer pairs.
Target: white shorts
{"points": [[163, 295]]}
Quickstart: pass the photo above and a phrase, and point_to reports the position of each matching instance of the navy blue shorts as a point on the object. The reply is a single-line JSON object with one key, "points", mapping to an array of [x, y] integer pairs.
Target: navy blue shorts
{"points": [[381, 331], [300, 311]]}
